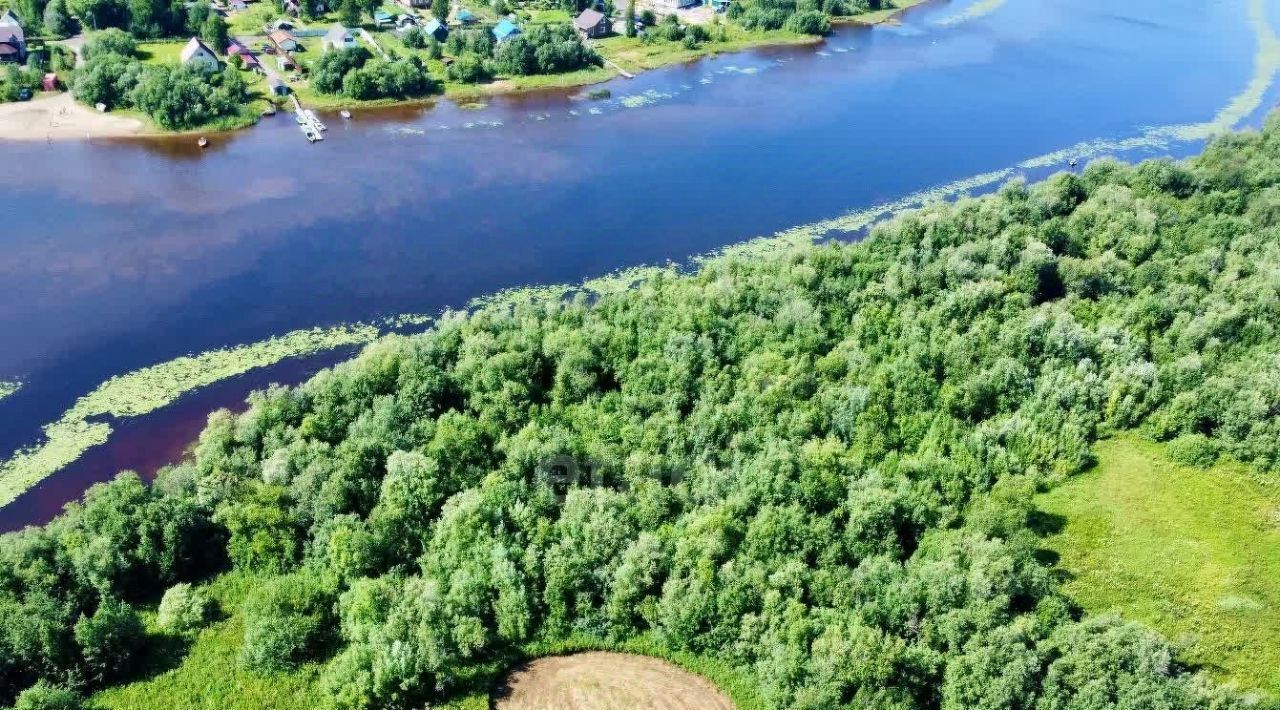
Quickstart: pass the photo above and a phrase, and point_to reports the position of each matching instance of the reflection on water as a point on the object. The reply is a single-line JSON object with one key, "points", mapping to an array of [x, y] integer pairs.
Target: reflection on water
{"points": [[120, 254]]}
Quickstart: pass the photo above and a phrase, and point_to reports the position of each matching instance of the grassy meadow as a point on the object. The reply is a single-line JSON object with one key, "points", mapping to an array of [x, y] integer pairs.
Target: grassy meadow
{"points": [[1194, 553]]}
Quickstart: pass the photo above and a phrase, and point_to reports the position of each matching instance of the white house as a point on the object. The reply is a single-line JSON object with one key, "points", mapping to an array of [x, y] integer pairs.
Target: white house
{"points": [[197, 52], [338, 38], [672, 5]]}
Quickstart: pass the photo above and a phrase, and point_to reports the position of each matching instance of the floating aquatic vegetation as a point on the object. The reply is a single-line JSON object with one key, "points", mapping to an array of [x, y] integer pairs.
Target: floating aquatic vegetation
{"points": [[8, 387], [973, 12], [407, 320], [648, 98], [473, 105], [150, 388]]}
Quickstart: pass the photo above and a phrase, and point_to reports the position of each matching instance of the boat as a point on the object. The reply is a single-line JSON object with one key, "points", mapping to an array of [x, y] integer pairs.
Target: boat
{"points": [[203, 142], [345, 113], [311, 134]]}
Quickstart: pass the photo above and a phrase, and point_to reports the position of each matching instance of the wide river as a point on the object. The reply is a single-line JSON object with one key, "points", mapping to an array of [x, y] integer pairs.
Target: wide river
{"points": [[116, 256]]}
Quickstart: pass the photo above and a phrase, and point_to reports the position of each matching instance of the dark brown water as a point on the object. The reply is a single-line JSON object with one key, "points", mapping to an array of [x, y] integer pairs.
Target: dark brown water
{"points": [[115, 255]]}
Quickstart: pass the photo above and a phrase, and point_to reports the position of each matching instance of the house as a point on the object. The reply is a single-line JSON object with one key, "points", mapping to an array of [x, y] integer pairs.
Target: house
{"points": [[416, 3], [505, 30], [338, 38], [285, 63], [673, 5], [284, 40], [277, 87], [247, 57], [13, 43], [403, 21], [466, 16], [436, 29], [591, 24], [197, 53], [238, 5], [382, 17]]}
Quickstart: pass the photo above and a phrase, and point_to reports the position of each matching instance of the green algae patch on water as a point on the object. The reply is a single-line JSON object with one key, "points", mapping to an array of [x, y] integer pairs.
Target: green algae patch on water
{"points": [[150, 388], [973, 12]]}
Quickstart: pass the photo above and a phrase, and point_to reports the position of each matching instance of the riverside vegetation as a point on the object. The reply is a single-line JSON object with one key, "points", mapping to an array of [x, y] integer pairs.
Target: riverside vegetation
{"points": [[860, 432]]}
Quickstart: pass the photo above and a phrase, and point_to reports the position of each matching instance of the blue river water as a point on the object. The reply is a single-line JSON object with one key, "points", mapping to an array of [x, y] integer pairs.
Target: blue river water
{"points": [[116, 255]]}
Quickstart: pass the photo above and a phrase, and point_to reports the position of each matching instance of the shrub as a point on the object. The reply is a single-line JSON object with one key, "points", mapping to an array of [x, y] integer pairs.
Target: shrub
{"points": [[45, 696], [109, 41], [287, 621], [110, 641], [184, 608], [1194, 450], [809, 22]]}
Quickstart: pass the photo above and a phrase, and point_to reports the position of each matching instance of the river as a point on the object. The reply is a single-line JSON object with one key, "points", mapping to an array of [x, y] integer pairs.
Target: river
{"points": [[117, 255]]}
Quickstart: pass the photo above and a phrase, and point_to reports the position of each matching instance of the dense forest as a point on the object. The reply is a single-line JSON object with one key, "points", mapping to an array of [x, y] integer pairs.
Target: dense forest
{"points": [[818, 466]]}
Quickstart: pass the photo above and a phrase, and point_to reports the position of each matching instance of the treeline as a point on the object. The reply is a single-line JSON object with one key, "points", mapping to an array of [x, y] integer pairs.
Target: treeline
{"points": [[817, 466], [354, 73], [144, 19], [801, 16], [175, 97], [540, 49]]}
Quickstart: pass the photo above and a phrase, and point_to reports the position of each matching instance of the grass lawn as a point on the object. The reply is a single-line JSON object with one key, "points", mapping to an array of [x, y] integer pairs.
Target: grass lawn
{"points": [[160, 52], [1193, 553]]}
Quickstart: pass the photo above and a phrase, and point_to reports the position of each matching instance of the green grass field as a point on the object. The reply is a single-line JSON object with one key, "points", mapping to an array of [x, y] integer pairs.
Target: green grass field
{"points": [[207, 675], [1193, 553]]}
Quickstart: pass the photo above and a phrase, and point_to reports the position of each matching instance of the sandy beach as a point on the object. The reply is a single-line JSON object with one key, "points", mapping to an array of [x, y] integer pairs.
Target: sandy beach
{"points": [[59, 117]]}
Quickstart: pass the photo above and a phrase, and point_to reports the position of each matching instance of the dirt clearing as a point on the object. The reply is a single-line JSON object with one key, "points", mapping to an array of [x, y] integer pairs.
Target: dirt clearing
{"points": [[607, 681]]}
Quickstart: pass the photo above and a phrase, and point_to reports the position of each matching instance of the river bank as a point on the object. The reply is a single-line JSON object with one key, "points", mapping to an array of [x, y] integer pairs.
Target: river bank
{"points": [[60, 117], [53, 117]]}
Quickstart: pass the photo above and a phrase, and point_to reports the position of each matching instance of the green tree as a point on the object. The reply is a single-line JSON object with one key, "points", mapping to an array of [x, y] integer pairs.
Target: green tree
{"points": [[109, 41], [440, 9], [214, 32], [57, 21], [111, 640], [629, 19]]}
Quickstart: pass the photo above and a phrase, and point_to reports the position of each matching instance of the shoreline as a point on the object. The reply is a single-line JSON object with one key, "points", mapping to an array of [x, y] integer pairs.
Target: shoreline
{"points": [[58, 117]]}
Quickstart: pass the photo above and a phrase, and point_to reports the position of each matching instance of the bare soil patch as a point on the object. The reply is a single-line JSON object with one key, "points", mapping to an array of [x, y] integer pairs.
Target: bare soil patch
{"points": [[58, 117], [607, 681]]}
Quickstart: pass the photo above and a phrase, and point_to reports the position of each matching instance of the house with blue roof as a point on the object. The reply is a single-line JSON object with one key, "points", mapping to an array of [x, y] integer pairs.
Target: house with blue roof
{"points": [[436, 28], [466, 16], [505, 30]]}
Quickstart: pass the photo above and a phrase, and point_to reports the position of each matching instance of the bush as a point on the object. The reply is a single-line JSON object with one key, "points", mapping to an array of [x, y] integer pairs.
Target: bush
{"points": [[287, 621], [328, 72], [415, 38], [809, 22], [111, 640], [184, 608], [45, 696], [1194, 450], [109, 41], [470, 69]]}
